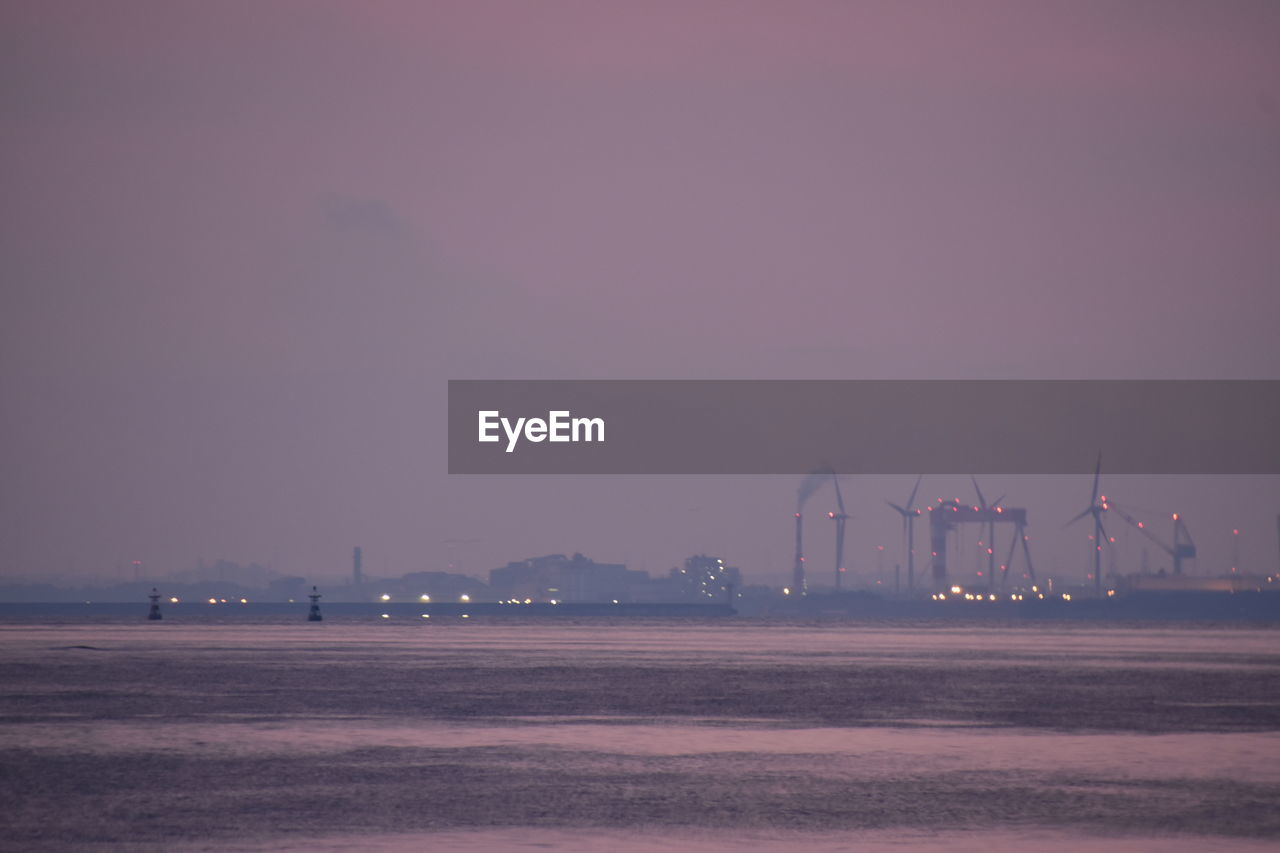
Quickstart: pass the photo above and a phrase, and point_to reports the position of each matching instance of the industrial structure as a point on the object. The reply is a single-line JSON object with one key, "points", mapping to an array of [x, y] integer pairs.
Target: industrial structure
{"points": [[1097, 506], [948, 515], [909, 513], [798, 586], [840, 517], [556, 577]]}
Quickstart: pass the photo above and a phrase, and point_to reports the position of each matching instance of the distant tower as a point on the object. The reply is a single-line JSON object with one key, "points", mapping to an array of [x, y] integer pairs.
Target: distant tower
{"points": [[357, 565], [155, 605], [314, 614], [797, 572]]}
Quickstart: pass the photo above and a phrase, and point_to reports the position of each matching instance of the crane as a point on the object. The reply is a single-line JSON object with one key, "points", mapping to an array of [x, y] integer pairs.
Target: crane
{"points": [[1183, 547]]}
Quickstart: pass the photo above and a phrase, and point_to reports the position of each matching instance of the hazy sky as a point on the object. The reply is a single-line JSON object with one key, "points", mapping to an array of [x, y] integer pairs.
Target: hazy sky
{"points": [[245, 244]]}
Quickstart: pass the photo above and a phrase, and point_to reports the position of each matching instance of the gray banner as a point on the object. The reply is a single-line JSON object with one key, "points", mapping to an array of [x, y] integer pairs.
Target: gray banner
{"points": [[864, 426]]}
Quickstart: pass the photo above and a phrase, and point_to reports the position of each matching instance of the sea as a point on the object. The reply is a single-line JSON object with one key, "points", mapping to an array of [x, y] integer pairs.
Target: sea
{"points": [[248, 728]]}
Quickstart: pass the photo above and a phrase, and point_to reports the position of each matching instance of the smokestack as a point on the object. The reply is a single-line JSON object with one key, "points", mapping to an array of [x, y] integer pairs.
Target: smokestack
{"points": [[797, 574], [357, 563]]}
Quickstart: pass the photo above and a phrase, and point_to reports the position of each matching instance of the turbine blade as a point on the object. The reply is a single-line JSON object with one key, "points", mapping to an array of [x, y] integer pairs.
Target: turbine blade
{"points": [[1105, 538], [1076, 518], [839, 498], [911, 501], [898, 508], [1097, 472], [982, 501]]}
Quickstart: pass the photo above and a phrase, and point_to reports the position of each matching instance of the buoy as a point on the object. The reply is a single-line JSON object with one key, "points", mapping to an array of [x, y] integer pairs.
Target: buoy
{"points": [[155, 605], [314, 615]]}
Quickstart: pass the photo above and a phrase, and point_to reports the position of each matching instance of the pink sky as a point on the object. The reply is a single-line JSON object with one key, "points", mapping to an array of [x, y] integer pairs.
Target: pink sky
{"points": [[245, 245]]}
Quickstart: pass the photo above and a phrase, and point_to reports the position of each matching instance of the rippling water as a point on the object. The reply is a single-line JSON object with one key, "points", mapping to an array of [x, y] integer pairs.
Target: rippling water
{"points": [[658, 736]]}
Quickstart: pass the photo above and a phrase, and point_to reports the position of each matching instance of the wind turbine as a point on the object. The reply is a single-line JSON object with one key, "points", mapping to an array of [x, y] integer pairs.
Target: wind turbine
{"points": [[840, 518], [987, 510], [909, 513], [1095, 508]]}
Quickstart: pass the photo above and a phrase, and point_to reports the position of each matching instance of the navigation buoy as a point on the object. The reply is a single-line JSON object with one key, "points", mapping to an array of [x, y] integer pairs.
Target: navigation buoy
{"points": [[155, 605], [314, 615]]}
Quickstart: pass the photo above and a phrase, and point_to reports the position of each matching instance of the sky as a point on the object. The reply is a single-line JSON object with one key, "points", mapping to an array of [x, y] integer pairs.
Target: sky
{"points": [[244, 246]]}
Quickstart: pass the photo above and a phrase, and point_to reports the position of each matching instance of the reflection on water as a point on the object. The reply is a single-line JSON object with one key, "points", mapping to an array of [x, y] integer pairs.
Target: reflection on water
{"points": [[873, 841], [708, 737]]}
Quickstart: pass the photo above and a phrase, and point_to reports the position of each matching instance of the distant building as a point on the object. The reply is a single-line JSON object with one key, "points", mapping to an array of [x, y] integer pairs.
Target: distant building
{"points": [[287, 588], [705, 579], [556, 577], [1193, 583], [439, 586]]}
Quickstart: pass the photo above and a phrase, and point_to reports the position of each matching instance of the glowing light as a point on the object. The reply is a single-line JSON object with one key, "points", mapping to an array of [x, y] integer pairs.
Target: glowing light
{"points": [[786, 590], [426, 615], [1175, 516], [464, 597], [173, 600], [244, 601], [385, 597], [424, 597], [942, 596], [615, 601], [1066, 596], [213, 601], [955, 590], [466, 615], [528, 601], [386, 615], [554, 601]]}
